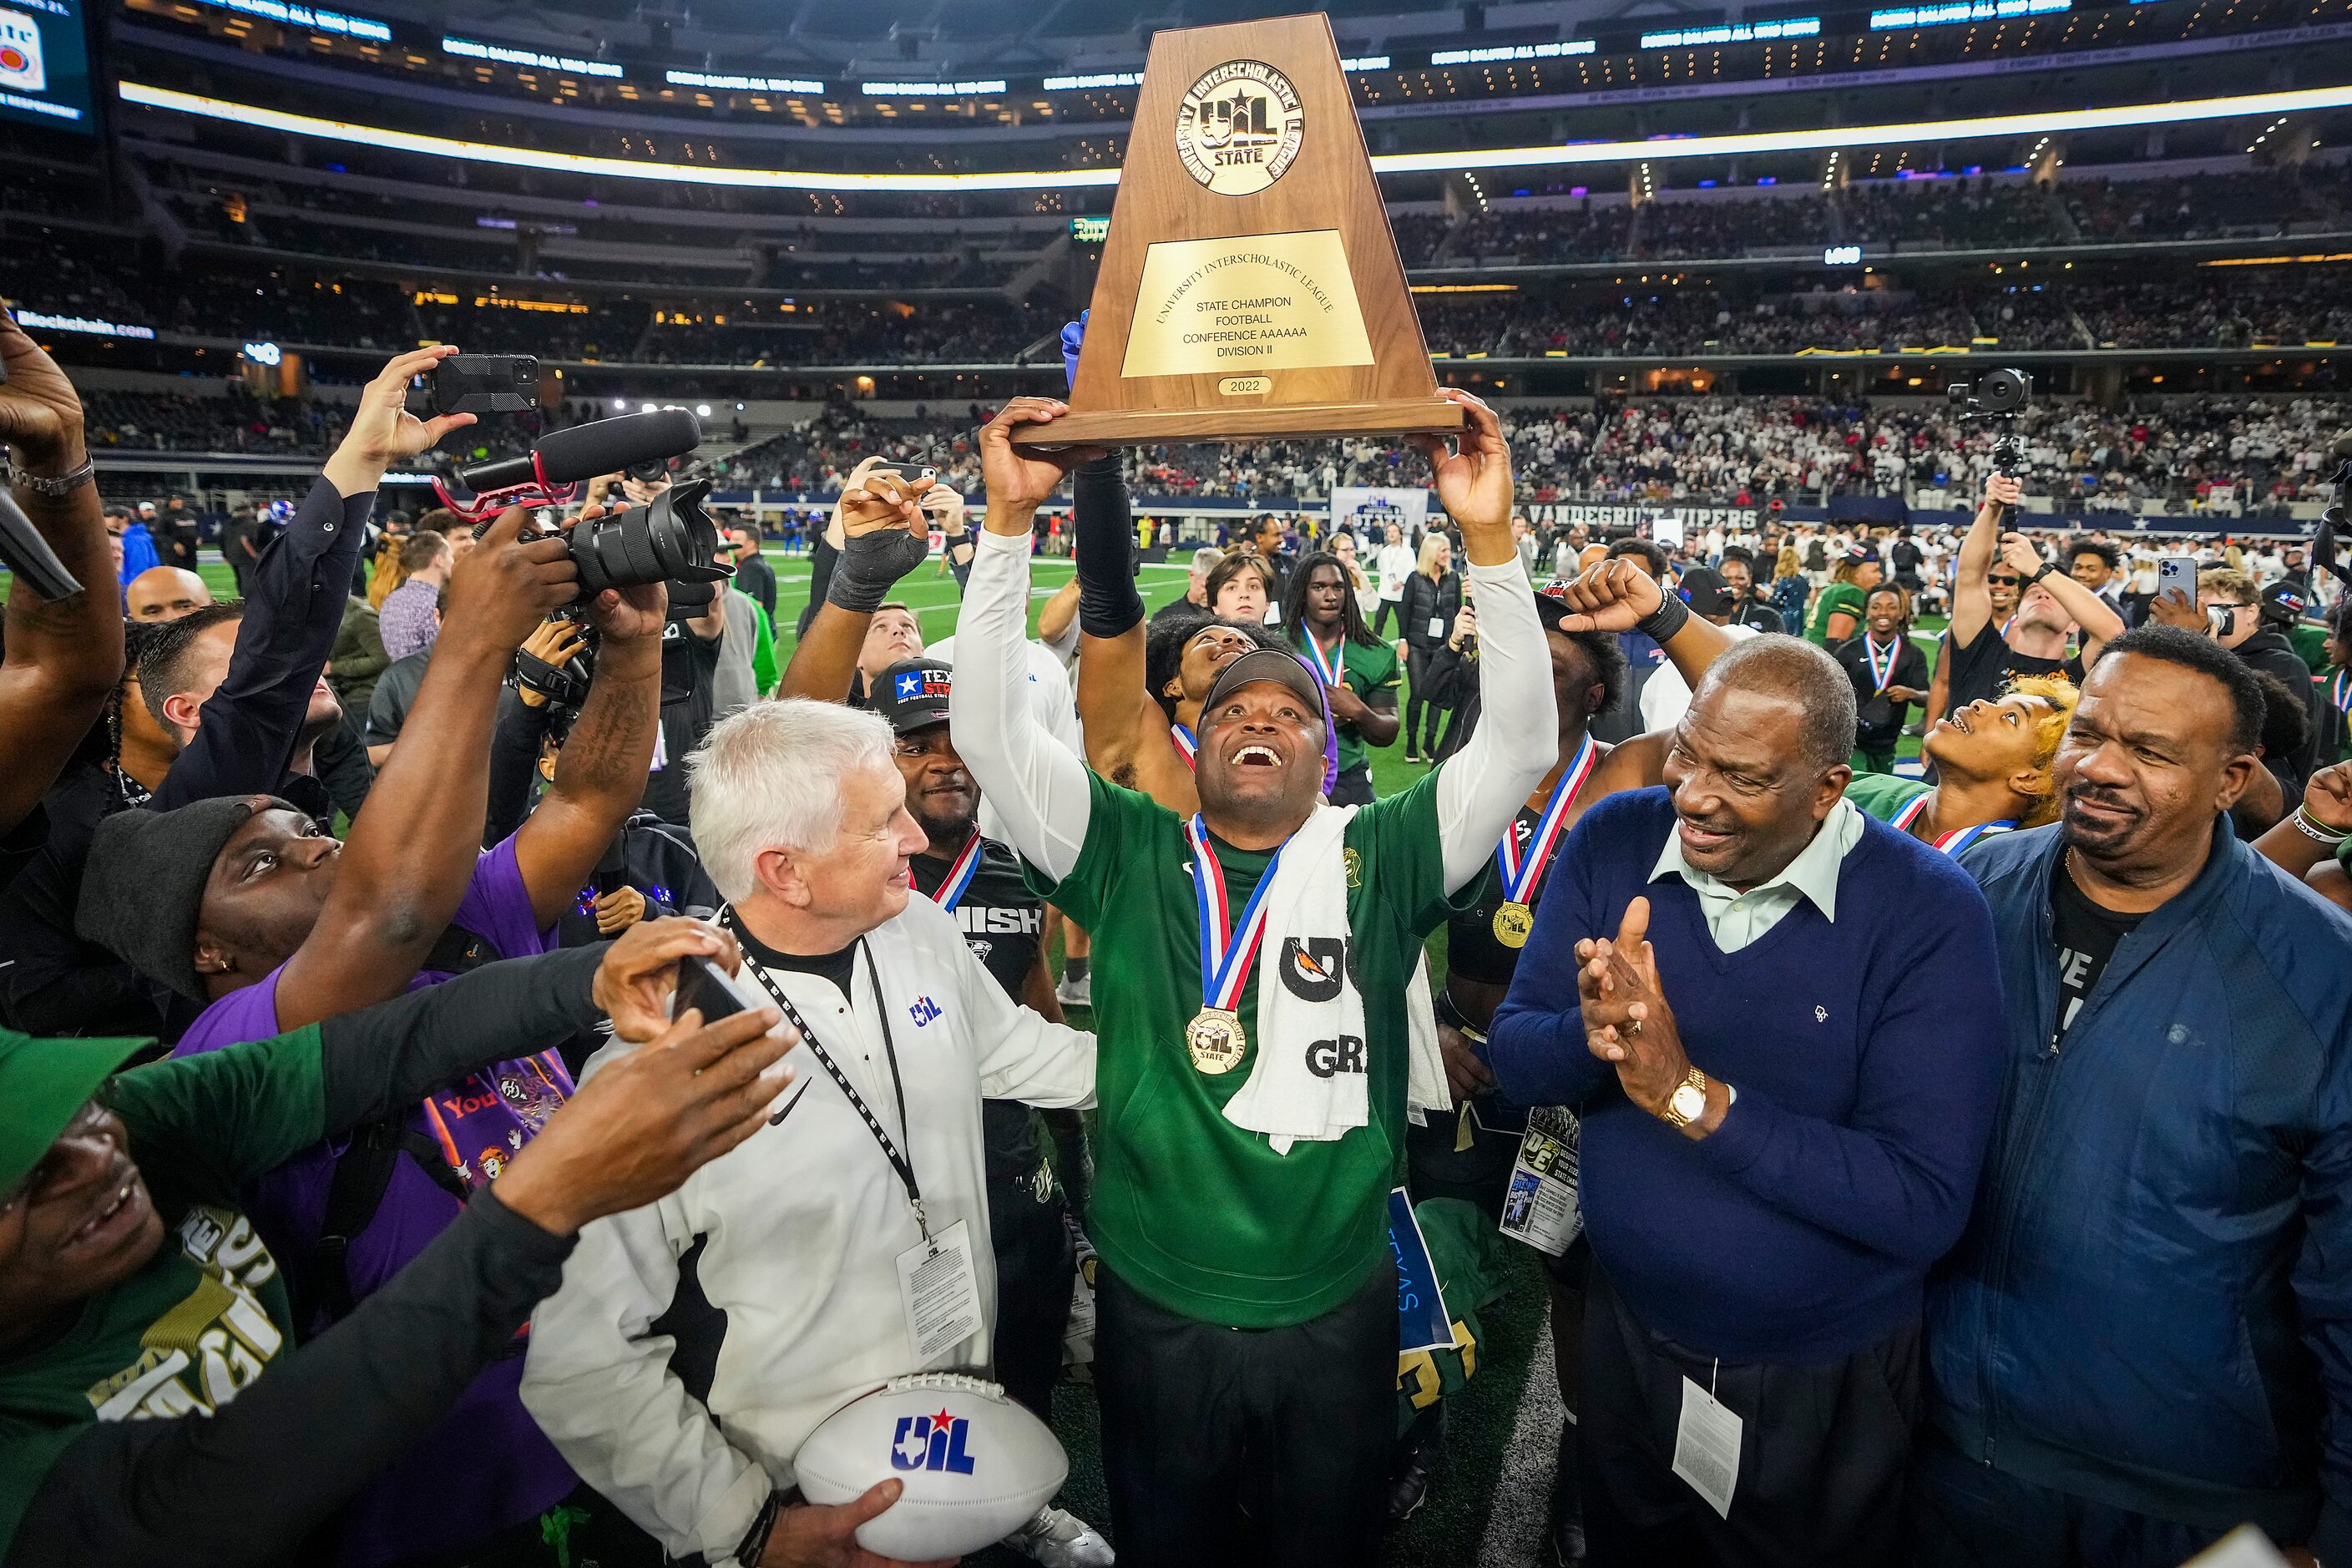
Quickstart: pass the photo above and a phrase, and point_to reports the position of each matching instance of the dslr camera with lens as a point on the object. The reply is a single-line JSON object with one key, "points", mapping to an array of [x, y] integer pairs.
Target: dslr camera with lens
{"points": [[668, 539], [2000, 395]]}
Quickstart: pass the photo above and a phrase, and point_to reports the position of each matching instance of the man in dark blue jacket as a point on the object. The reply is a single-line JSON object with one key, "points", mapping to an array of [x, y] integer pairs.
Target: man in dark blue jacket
{"points": [[1780, 1024], [2146, 1337]]}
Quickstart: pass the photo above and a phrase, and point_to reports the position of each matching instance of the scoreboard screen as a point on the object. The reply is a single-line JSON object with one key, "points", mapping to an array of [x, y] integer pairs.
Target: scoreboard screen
{"points": [[45, 65]]}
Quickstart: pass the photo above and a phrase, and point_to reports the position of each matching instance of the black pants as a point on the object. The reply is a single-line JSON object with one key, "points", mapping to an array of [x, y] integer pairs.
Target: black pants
{"points": [[1381, 621], [1416, 670], [1201, 1422], [1824, 1450], [1353, 787], [1035, 1268]]}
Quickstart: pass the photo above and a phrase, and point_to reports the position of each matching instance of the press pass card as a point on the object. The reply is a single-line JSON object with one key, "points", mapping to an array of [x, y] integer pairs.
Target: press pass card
{"points": [[1540, 1205]]}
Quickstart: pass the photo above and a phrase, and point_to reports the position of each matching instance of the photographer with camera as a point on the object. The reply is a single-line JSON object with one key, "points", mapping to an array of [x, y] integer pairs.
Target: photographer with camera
{"points": [[2253, 625], [689, 644], [1979, 657], [225, 703], [243, 904]]}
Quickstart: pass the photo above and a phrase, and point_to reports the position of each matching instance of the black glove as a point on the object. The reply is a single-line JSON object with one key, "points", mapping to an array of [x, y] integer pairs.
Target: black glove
{"points": [[871, 566]]}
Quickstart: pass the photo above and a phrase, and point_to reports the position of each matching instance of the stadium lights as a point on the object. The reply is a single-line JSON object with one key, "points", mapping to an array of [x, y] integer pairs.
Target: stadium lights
{"points": [[2039, 124]]}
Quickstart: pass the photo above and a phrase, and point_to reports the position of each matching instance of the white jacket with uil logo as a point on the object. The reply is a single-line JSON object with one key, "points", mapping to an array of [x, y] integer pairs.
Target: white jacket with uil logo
{"points": [[800, 1228]]}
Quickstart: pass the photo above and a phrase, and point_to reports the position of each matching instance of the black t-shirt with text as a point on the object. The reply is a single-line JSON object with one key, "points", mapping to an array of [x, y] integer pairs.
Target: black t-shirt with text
{"points": [[2086, 936], [1982, 668]]}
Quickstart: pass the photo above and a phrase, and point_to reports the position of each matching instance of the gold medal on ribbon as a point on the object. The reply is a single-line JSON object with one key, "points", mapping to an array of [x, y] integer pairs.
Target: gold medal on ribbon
{"points": [[1215, 1039], [1523, 864]]}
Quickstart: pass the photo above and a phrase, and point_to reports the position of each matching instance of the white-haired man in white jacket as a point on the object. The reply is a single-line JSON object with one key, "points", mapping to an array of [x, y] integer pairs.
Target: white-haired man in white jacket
{"points": [[801, 1239]]}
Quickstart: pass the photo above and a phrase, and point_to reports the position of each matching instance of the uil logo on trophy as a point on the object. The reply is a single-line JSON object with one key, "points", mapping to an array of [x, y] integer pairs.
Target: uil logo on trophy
{"points": [[1239, 128]]}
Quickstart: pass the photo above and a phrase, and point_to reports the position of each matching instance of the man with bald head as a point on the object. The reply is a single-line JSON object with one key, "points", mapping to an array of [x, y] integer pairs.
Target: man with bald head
{"points": [[166, 593], [1780, 1022]]}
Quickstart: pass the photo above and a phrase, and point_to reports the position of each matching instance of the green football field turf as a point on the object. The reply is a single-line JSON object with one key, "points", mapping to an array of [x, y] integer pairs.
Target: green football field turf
{"points": [[1486, 1505]]}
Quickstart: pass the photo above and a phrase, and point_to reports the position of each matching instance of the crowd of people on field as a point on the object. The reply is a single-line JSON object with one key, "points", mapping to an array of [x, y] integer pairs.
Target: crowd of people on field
{"points": [[493, 1017]]}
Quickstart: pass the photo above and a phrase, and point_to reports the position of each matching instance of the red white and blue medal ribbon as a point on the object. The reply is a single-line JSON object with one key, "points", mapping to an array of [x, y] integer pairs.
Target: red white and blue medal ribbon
{"points": [[1883, 675], [1522, 867], [1333, 670], [950, 891], [1181, 738], [1228, 947], [1958, 838], [2340, 693], [1909, 811]]}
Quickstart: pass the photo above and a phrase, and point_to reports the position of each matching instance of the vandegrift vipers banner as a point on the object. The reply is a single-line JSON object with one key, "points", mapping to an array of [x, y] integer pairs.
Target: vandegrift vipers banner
{"points": [[1370, 509]]}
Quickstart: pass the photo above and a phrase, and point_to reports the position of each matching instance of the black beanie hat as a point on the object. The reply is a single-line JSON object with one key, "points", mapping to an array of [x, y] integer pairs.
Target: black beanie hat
{"points": [[144, 884]]}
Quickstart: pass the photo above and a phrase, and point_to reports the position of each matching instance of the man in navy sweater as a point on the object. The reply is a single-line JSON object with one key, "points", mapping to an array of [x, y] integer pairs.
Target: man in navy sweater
{"points": [[1786, 1058], [2146, 1336]]}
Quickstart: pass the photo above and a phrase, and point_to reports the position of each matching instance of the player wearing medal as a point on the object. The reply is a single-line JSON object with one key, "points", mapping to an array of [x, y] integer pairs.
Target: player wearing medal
{"points": [[1251, 962], [806, 1246], [1992, 764], [1359, 671], [1889, 673]]}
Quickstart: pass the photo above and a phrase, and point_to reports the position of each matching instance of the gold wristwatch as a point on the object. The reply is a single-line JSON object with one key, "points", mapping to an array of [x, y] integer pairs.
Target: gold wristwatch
{"points": [[1688, 1102]]}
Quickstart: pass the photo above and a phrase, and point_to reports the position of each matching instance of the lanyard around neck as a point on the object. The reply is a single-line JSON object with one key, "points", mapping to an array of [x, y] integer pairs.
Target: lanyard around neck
{"points": [[899, 1161]]}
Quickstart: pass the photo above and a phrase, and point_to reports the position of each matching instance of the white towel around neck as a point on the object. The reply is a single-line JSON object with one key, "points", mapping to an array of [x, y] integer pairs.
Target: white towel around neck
{"points": [[1311, 1077]]}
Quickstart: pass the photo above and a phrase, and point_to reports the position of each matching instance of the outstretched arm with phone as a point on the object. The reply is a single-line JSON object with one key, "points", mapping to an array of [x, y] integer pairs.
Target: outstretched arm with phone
{"points": [[882, 517]]}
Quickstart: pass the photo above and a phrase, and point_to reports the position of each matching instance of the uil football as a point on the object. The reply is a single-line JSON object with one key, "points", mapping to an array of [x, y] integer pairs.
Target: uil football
{"points": [[976, 1465]]}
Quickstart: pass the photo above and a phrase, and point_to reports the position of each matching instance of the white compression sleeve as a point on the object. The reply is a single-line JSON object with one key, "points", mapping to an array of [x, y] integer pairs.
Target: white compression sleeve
{"points": [[1038, 789]]}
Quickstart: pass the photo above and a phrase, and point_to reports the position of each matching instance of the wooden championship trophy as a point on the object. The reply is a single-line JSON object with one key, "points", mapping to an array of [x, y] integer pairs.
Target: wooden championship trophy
{"points": [[1250, 285]]}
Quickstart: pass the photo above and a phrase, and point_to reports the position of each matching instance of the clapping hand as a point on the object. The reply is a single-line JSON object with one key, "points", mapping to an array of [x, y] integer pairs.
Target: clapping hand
{"points": [[1627, 1021]]}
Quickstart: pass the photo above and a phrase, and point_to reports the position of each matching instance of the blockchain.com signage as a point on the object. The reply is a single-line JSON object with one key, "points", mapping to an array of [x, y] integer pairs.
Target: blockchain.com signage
{"points": [[43, 64]]}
